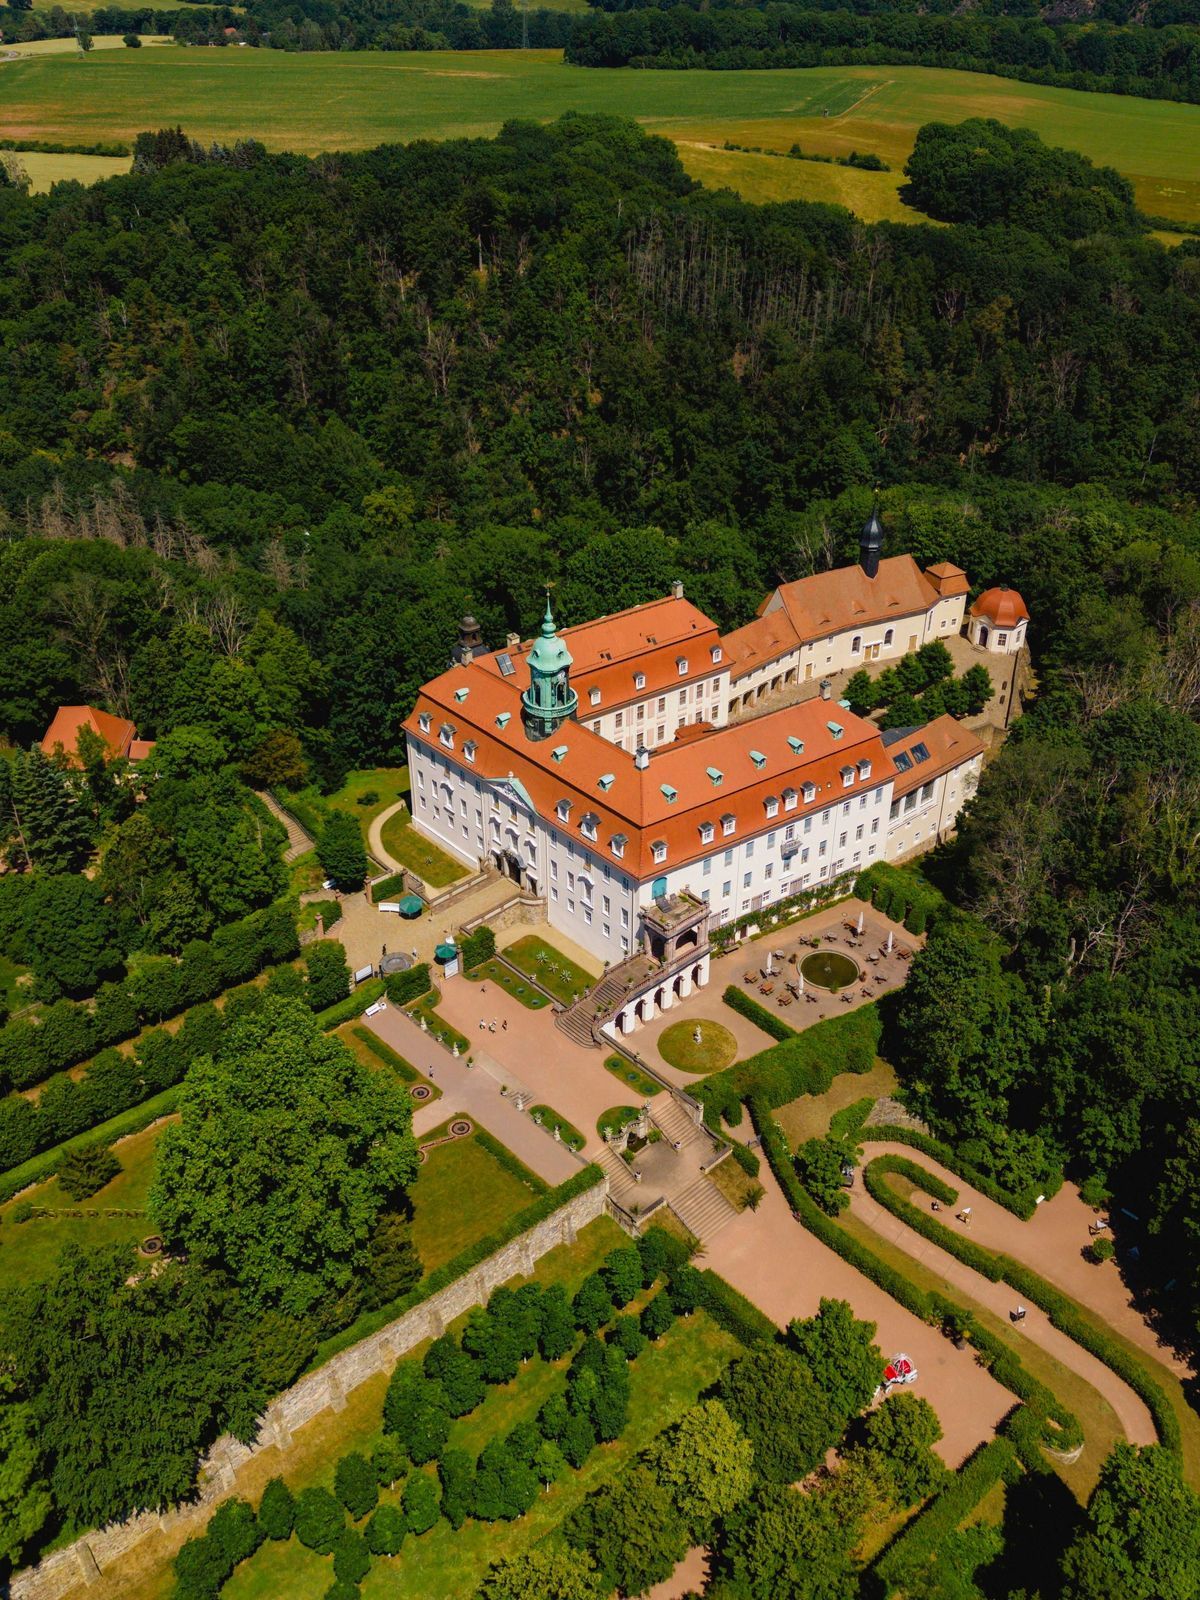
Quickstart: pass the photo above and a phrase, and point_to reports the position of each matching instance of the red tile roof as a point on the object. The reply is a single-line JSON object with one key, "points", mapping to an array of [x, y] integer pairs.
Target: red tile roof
{"points": [[117, 732], [949, 744], [649, 639], [1001, 605], [733, 771], [947, 579], [765, 639], [831, 602]]}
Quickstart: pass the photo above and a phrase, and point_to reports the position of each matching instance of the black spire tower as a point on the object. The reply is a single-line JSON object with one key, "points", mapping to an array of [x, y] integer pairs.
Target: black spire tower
{"points": [[870, 543]]}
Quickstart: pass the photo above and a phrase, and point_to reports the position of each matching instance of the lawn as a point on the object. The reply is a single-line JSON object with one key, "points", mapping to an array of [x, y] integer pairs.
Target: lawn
{"points": [[808, 1117], [557, 974], [874, 196], [351, 100], [462, 1193], [366, 792], [49, 167], [13, 994], [375, 1053], [640, 1082], [437, 1025], [330, 910], [504, 978], [716, 1047], [738, 1187], [30, 1250], [551, 1119], [420, 855]]}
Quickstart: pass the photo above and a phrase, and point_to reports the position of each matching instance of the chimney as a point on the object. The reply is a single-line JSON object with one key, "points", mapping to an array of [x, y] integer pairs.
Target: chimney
{"points": [[512, 641], [826, 689], [641, 758], [870, 544], [677, 589]]}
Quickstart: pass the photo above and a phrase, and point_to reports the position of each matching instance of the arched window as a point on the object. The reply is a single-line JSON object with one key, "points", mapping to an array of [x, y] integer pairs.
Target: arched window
{"points": [[889, 636], [856, 644]]}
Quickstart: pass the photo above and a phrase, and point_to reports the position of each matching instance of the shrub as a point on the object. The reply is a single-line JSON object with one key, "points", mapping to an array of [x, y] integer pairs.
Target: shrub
{"points": [[277, 1510], [385, 1531], [319, 1520], [804, 1063], [234, 1530], [82, 1172], [746, 1159], [622, 1274], [341, 852], [477, 948], [422, 1505], [388, 887], [626, 1335], [356, 1486], [351, 1558], [592, 1305], [199, 1570], [1101, 1249], [328, 974], [401, 987], [819, 1168], [657, 1316], [388, 1461]]}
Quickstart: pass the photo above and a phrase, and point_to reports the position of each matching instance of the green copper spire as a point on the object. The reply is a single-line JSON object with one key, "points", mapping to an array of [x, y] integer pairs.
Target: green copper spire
{"points": [[549, 700]]}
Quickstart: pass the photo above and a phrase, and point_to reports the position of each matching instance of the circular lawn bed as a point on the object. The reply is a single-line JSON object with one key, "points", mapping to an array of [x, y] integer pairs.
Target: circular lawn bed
{"points": [[716, 1047]]}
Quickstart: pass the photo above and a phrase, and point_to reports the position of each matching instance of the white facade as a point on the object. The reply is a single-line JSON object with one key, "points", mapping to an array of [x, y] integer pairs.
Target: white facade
{"points": [[917, 819], [988, 635], [654, 719]]}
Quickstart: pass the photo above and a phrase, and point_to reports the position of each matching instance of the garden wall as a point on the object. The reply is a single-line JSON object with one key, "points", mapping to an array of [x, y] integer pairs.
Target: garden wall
{"points": [[324, 1390]]}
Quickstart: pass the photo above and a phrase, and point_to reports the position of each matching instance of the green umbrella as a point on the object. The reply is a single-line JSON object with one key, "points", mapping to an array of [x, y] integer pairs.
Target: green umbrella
{"points": [[411, 905], [446, 952]]}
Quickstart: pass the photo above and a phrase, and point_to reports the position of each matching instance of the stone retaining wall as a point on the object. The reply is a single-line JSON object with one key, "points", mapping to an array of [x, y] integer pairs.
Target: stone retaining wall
{"points": [[322, 1391]]}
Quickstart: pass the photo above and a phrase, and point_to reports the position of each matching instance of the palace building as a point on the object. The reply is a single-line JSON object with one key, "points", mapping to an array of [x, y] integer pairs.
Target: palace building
{"points": [[597, 765]]}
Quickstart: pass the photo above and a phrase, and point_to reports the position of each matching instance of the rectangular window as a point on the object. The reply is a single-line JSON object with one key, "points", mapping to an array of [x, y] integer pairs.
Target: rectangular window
{"points": [[821, 847], [858, 832], [725, 889], [874, 824], [841, 840], [749, 848], [804, 854], [768, 869], [553, 892], [707, 868], [619, 720], [607, 906], [587, 916], [662, 703], [729, 858], [624, 916]]}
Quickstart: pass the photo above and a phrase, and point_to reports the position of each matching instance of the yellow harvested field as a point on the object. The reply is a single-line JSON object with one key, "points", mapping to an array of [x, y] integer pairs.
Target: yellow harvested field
{"points": [[873, 196], [68, 47], [45, 169]]}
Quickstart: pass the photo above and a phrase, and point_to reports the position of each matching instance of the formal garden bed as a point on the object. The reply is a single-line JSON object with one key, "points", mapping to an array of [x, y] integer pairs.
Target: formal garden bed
{"points": [[616, 1118], [496, 971], [642, 1084], [413, 850], [426, 1009], [464, 1191], [375, 1053], [549, 1119], [715, 1049], [557, 974]]}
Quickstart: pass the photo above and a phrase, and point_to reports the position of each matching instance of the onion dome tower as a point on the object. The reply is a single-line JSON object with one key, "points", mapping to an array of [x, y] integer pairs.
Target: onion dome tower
{"points": [[549, 700], [870, 544]]}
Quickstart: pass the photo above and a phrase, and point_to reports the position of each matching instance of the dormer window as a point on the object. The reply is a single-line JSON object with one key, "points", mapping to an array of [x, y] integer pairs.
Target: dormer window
{"points": [[716, 776], [605, 781], [469, 749], [619, 841], [589, 825], [681, 666], [461, 694], [446, 735], [835, 729], [424, 721], [716, 653], [758, 759], [594, 696], [659, 851], [639, 680], [772, 805], [670, 794], [728, 824], [864, 769], [559, 753], [789, 799], [563, 810], [796, 746], [847, 777], [810, 793], [503, 719], [706, 833]]}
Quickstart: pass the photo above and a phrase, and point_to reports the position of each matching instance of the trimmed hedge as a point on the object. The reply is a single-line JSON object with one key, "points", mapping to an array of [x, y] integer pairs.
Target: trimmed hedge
{"points": [[405, 987], [935, 1309], [387, 887], [932, 1185], [346, 1010], [1021, 1205], [848, 1124], [1063, 1312], [477, 948], [510, 1163], [902, 893], [746, 1159], [733, 1312], [907, 1557], [71, 1032], [747, 1006], [45, 1165], [803, 1063], [544, 1206], [384, 1052]]}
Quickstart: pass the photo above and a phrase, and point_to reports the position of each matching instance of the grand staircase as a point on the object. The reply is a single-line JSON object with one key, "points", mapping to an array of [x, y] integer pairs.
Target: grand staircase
{"points": [[674, 1122], [703, 1209], [603, 999], [621, 1185]]}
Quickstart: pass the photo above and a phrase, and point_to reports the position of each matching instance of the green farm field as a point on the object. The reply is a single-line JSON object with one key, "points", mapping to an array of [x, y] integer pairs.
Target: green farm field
{"points": [[355, 100]]}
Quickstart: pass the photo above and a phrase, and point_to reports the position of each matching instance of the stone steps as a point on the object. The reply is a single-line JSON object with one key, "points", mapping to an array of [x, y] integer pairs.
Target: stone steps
{"points": [[575, 1022], [621, 1185], [673, 1120], [703, 1209], [298, 840]]}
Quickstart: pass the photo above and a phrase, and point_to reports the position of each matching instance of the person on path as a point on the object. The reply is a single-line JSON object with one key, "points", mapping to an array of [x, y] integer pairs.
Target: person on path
{"points": [[504, 1024]]}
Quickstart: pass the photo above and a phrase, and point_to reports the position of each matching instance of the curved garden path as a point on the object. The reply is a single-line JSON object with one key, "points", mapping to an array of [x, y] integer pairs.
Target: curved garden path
{"points": [[1051, 1243], [1132, 1412], [375, 838]]}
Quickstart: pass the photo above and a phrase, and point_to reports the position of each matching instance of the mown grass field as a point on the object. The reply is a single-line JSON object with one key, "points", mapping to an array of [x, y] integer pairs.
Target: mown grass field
{"points": [[353, 100]]}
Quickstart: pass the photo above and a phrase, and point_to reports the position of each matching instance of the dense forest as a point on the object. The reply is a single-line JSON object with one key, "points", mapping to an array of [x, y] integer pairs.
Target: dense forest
{"points": [[1120, 58], [271, 424]]}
